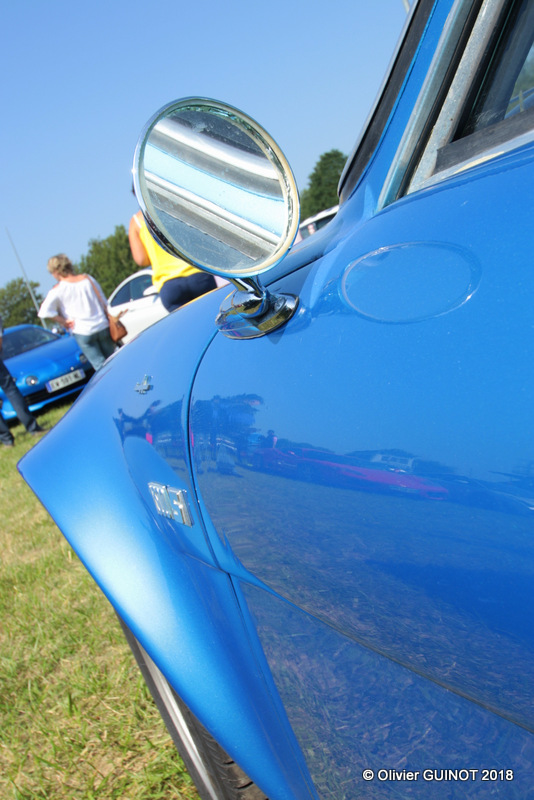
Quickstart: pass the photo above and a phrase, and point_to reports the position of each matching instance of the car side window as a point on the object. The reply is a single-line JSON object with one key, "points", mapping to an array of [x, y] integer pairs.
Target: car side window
{"points": [[489, 105], [508, 86], [477, 101], [523, 94], [139, 285], [122, 296]]}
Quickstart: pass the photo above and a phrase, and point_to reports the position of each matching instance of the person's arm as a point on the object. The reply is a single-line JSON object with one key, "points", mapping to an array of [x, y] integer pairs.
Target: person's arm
{"points": [[50, 309], [139, 254], [63, 321]]}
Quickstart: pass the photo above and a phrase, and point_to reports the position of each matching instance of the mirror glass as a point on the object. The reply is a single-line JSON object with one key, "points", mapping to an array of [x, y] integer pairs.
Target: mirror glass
{"points": [[215, 188]]}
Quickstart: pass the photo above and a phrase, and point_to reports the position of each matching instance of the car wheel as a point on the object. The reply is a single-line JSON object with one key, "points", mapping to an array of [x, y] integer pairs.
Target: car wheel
{"points": [[215, 775]]}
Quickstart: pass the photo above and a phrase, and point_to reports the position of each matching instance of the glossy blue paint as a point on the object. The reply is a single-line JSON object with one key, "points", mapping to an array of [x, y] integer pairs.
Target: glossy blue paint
{"points": [[373, 713], [379, 476], [357, 589], [161, 576]]}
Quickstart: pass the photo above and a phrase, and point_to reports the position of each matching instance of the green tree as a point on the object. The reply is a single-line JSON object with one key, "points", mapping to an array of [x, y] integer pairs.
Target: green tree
{"points": [[16, 304], [109, 260], [321, 191]]}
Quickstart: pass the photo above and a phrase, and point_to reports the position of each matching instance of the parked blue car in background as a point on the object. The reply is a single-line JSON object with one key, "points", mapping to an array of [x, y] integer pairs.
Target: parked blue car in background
{"points": [[315, 515], [44, 365]]}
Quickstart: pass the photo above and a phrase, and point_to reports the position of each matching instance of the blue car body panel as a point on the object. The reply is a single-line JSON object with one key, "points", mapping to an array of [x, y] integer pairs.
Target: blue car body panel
{"points": [[356, 591], [46, 362], [162, 577], [385, 501]]}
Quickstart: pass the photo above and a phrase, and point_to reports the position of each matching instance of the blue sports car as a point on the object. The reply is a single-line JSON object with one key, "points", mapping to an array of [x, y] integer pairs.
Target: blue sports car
{"points": [[316, 520], [44, 365]]}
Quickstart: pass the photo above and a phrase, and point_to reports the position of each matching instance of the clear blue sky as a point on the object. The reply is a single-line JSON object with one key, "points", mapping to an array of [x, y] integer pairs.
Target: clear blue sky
{"points": [[81, 79]]}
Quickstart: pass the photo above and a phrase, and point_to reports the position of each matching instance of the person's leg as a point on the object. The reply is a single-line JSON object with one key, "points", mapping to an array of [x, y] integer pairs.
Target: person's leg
{"points": [[6, 437], [9, 387], [200, 283], [170, 294], [179, 291], [106, 343], [90, 348], [96, 346]]}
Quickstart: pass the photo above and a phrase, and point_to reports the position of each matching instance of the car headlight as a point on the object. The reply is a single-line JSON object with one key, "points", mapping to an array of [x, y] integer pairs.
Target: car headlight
{"points": [[32, 380], [83, 358]]}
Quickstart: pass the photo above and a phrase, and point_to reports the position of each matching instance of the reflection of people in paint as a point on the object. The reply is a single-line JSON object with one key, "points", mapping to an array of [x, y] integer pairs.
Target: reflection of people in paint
{"points": [[271, 439], [176, 281]]}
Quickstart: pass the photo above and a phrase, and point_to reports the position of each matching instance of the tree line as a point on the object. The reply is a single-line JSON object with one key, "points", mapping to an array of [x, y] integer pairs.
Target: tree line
{"points": [[109, 260]]}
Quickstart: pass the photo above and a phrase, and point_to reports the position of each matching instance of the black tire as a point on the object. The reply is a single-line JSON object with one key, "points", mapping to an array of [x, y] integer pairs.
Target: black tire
{"points": [[215, 775]]}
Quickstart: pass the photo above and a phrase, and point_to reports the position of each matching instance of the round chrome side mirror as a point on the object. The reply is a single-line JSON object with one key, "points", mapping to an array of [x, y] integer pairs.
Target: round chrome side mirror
{"points": [[216, 190]]}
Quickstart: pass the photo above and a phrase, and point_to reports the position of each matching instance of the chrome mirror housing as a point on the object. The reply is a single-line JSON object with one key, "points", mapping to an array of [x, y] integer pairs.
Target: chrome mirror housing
{"points": [[216, 190]]}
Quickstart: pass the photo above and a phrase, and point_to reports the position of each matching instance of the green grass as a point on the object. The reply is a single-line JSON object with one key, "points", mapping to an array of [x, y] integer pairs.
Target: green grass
{"points": [[76, 720]]}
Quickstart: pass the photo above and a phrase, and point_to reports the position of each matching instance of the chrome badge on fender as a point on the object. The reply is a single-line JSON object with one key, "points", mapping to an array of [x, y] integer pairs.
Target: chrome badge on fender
{"points": [[171, 503]]}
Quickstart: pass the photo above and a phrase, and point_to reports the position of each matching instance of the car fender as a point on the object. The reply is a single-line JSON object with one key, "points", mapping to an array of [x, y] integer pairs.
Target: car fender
{"points": [[159, 574]]}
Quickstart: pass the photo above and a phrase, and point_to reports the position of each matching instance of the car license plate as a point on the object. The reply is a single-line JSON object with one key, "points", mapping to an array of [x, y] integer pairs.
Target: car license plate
{"points": [[65, 380]]}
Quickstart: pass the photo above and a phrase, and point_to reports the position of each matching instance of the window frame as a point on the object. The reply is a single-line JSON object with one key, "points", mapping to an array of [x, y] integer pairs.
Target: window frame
{"points": [[428, 153], [376, 122]]}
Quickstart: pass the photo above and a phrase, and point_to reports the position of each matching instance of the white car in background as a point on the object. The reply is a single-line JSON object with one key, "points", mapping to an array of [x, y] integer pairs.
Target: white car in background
{"points": [[312, 224], [138, 302]]}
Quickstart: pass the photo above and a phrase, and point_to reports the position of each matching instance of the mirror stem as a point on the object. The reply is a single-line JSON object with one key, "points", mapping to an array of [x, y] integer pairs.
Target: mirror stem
{"points": [[252, 310], [251, 298]]}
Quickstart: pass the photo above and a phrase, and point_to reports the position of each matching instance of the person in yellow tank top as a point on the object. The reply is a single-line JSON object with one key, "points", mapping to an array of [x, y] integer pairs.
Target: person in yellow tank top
{"points": [[176, 281]]}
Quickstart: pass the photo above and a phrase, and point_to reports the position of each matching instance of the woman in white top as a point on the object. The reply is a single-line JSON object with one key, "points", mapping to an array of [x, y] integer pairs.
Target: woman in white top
{"points": [[78, 303]]}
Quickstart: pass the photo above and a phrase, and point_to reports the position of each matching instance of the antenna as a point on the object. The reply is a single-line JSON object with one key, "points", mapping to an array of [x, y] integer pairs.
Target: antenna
{"points": [[26, 281]]}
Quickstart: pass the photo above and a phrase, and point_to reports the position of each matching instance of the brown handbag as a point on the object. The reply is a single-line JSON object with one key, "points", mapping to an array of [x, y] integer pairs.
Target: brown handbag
{"points": [[117, 330]]}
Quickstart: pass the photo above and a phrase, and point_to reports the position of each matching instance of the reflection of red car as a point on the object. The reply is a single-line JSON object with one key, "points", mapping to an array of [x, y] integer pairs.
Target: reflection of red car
{"points": [[321, 467], [398, 481]]}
